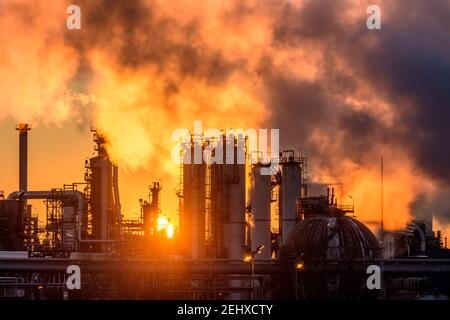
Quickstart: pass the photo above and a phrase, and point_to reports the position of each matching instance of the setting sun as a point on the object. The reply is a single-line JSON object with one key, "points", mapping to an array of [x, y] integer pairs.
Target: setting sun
{"points": [[164, 224]]}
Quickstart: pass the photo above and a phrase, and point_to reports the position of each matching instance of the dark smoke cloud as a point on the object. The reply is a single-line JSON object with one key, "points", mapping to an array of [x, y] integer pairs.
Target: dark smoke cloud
{"points": [[412, 62], [136, 35], [410, 66], [407, 63], [432, 205]]}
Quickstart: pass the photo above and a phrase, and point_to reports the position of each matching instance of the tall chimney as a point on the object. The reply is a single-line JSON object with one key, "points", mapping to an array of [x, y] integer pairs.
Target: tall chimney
{"points": [[23, 155]]}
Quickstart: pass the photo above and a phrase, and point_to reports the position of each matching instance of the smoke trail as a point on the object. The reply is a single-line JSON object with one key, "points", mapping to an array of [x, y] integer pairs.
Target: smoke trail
{"points": [[36, 65], [378, 93], [139, 69]]}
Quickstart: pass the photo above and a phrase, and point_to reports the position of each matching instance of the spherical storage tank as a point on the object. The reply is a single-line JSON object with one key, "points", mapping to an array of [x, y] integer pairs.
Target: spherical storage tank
{"points": [[327, 247], [330, 237]]}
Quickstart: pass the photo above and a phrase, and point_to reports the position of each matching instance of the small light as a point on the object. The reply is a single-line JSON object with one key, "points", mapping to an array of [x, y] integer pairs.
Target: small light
{"points": [[248, 258], [300, 265], [259, 249]]}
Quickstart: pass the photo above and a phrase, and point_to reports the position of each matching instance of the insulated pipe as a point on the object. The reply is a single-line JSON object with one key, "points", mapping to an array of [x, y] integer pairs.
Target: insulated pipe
{"points": [[187, 267], [208, 267], [65, 194]]}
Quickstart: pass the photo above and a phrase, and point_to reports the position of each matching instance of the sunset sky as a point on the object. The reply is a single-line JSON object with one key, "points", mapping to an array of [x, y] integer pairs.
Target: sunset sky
{"points": [[56, 156], [137, 70]]}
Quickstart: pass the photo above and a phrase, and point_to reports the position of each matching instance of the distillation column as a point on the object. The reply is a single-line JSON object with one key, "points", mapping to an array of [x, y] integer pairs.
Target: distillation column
{"points": [[234, 224], [291, 186], [192, 220], [260, 197], [104, 207]]}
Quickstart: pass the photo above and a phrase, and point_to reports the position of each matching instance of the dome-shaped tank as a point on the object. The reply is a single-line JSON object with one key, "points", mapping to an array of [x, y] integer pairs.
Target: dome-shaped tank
{"points": [[329, 252], [330, 237]]}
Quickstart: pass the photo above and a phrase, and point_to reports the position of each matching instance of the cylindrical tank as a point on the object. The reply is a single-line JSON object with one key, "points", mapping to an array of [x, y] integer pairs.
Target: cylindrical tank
{"points": [[147, 218], [218, 209], [291, 183], [104, 208], [101, 198], [192, 226], [234, 222], [227, 205], [228, 223], [260, 196]]}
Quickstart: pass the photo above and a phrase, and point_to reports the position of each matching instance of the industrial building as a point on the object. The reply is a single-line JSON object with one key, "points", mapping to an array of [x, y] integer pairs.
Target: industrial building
{"points": [[240, 235]]}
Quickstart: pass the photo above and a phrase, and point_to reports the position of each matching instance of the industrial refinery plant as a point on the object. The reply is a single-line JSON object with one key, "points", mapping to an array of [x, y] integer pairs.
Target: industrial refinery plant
{"points": [[241, 234]]}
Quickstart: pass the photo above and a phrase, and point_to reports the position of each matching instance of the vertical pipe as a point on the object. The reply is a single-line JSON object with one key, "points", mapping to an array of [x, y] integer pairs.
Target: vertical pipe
{"points": [[328, 195], [117, 205], [105, 201], [383, 291], [23, 155], [382, 202]]}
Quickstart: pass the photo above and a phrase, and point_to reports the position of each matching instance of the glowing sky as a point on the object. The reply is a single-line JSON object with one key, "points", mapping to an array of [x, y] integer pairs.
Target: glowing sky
{"points": [[56, 156]]}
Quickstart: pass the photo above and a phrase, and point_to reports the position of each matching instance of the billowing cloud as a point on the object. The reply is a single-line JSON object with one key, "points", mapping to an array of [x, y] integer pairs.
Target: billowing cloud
{"points": [[347, 95]]}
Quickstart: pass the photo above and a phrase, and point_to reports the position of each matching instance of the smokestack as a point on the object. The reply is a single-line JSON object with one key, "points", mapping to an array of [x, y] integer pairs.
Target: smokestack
{"points": [[332, 197], [23, 155]]}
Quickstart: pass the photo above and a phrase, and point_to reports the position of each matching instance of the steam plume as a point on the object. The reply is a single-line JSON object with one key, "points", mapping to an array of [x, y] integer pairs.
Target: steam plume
{"points": [[139, 69]]}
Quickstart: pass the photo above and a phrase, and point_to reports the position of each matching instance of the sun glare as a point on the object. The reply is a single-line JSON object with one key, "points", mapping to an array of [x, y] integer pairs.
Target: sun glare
{"points": [[164, 224]]}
